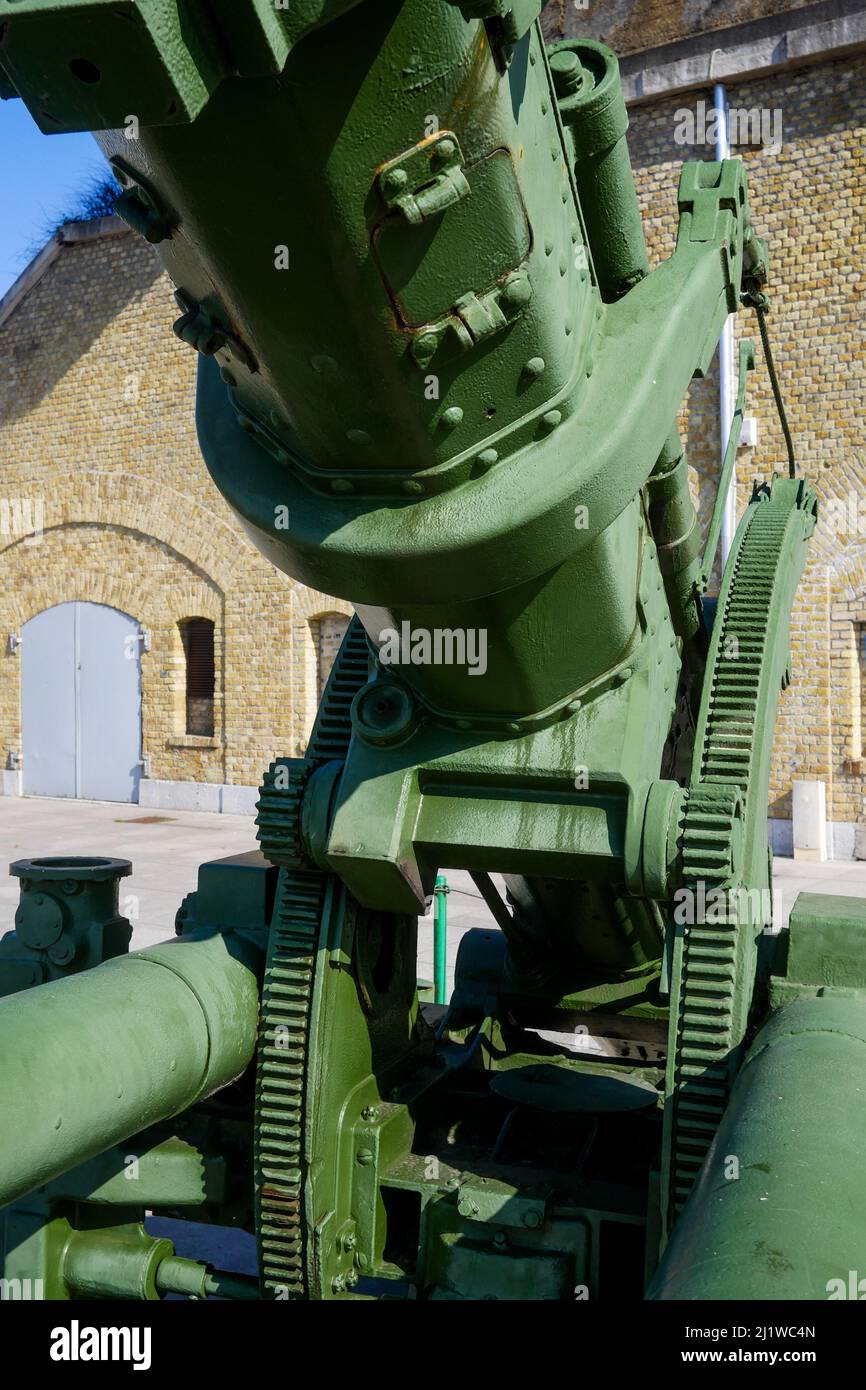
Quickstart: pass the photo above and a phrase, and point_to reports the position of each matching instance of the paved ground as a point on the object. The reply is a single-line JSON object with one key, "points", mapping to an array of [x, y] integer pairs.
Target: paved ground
{"points": [[166, 850]]}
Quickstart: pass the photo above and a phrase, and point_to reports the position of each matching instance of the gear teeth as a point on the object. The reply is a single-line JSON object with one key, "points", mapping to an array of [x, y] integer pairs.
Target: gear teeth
{"points": [[283, 785], [714, 997], [285, 1013], [281, 1085], [278, 807]]}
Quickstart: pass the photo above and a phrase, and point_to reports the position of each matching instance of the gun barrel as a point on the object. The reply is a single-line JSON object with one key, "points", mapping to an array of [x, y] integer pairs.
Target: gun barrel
{"points": [[779, 1211], [90, 1060]]}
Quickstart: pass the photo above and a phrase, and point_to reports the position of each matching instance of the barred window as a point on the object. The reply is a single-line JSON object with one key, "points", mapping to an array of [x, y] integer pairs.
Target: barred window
{"points": [[197, 636]]}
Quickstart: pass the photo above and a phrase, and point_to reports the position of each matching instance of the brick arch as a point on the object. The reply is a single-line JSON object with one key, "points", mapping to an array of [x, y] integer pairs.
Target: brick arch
{"points": [[206, 539], [34, 586], [308, 605]]}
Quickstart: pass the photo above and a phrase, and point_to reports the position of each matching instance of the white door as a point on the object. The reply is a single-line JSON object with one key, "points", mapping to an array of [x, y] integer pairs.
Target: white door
{"points": [[81, 703]]}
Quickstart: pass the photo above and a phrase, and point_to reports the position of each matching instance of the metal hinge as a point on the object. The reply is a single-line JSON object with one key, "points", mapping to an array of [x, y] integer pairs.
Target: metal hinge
{"points": [[426, 180], [474, 318], [135, 639], [13, 643]]}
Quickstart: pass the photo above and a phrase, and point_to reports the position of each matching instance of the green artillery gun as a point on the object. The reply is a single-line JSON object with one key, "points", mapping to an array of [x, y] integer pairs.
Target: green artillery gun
{"points": [[438, 378]]}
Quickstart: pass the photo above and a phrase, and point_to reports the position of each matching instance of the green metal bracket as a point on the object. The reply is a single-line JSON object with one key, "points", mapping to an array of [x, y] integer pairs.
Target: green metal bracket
{"points": [[425, 180]]}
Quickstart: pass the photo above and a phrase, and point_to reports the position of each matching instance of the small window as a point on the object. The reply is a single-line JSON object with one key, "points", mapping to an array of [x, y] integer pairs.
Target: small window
{"points": [[197, 635]]}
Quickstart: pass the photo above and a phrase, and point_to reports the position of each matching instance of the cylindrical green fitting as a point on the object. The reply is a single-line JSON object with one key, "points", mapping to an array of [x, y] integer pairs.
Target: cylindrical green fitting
{"points": [[586, 79], [90, 1060], [177, 1275], [120, 1263], [677, 534], [779, 1211]]}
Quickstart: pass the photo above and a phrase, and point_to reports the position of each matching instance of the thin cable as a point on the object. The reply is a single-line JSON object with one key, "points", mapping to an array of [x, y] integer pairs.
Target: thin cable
{"points": [[777, 394]]}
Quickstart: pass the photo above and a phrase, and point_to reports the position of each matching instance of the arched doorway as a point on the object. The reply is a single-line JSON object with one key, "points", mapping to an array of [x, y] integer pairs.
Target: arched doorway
{"points": [[81, 703]]}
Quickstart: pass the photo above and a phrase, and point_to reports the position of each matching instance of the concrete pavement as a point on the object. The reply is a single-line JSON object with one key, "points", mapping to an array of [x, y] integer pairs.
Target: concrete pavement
{"points": [[166, 849]]}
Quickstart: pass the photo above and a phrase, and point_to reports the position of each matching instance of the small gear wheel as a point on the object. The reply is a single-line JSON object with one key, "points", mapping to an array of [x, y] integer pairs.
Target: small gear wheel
{"points": [[279, 812]]}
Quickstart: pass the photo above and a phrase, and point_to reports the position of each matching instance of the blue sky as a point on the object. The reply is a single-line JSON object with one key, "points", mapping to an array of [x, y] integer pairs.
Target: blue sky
{"points": [[40, 178]]}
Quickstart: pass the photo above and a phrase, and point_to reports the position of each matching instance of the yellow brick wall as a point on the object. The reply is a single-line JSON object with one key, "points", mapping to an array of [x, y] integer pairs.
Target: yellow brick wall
{"points": [[96, 422], [808, 200], [97, 429]]}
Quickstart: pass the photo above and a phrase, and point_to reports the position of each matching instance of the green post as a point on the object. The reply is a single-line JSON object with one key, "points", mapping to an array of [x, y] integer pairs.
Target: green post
{"points": [[440, 940]]}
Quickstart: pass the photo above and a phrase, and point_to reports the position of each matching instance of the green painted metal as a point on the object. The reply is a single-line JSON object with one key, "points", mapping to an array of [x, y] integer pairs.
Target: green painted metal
{"points": [[90, 1060], [440, 939], [438, 378], [779, 1210], [67, 919]]}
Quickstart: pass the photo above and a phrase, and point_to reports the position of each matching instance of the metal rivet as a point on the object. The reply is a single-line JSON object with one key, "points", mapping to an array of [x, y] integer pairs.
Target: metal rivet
{"points": [[412, 485], [551, 419], [426, 345], [534, 367], [359, 437], [487, 458], [341, 485], [452, 417], [517, 291]]}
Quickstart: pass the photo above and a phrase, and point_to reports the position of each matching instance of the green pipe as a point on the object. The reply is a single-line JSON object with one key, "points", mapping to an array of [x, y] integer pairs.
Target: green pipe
{"points": [[90, 1060], [440, 940], [779, 1211], [178, 1275]]}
